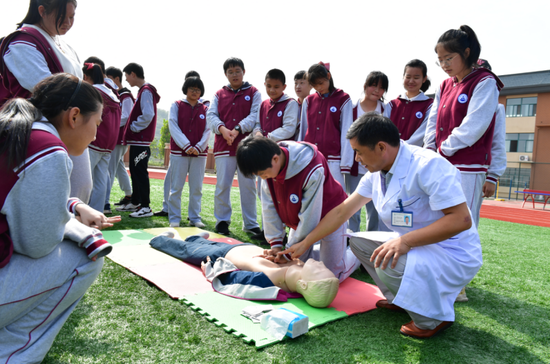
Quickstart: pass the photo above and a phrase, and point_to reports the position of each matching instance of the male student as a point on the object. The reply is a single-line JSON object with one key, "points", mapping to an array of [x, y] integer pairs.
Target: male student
{"points": [[297, 191], [116, 164], [232, 116], [302, 89], [140, 132]]}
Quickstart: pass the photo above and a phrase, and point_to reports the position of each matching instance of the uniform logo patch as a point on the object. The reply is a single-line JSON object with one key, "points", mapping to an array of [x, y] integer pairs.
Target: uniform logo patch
{"points": [[247, 98], [201, 116], [419, 115], [462, 98], [280, 113], [333, 109], [294, 198]]}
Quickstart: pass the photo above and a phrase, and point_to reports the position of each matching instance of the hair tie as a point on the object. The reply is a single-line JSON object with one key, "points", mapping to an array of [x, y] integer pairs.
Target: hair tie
{"points": [[89, 65], [326, 65], [74, 94]]}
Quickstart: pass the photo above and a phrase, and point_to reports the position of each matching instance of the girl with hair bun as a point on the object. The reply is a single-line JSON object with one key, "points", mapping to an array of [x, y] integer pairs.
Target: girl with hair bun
{"points": [[410, 111], [462, 120], [48, 258], [107, 135]]}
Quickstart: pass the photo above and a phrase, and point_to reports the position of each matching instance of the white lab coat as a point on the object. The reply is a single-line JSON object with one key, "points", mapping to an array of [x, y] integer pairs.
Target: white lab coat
{"points": [[426, 183]]}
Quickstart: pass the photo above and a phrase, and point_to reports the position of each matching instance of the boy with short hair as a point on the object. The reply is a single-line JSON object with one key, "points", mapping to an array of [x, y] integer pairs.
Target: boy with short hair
{"points": [[140, 132], [232, 116], [278, 115], [116, 164], [297, 190]]}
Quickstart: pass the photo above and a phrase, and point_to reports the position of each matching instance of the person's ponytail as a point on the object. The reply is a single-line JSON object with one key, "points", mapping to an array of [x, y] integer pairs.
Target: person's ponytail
{"points": [[475, 47]]}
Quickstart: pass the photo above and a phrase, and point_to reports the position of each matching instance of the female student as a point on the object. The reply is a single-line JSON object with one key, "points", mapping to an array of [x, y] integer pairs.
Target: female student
{"points": [[375, 88], [35, 51], [410, 111], [107, 135], [188, 151], [462, 120], [48, 259], [326, 116]]}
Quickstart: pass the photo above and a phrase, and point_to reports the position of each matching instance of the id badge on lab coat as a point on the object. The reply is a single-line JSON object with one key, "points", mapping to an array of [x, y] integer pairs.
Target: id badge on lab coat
{"points": [[401, 218]]}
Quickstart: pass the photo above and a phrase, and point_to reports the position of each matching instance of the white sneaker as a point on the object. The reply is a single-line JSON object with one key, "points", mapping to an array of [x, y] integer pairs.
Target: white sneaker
{"points": [[174, 224], [128, 207], [202, 234], [462, 296], [142, 212], [198, 224], [169, 234]]}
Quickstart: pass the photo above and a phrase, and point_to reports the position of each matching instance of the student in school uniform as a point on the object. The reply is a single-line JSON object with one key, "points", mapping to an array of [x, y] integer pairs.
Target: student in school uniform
{"points": [[167, 177], [107, 133], [110, 84], [232, 116], [410, 111], [48, 258], [462, 120], [302, 89], [297, 191], [374, 89], [117, 167], [326, 116], [140, 132], [188, 151]]}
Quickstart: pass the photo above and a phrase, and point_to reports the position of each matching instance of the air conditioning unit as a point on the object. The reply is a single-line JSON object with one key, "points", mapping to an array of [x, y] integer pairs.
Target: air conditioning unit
{"points": [[524, 158]]}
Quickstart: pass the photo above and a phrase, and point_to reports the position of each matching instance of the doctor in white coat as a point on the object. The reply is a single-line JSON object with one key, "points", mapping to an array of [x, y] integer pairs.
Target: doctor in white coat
{"points": [[418, 196]]}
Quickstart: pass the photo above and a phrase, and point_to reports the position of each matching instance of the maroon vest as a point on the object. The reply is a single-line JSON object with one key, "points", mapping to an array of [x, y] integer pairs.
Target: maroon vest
{"points": [[323, 121], [145, 136], [271, 114], [9, 85], [232, 108], [124, 94], [39, 141], [453, 107], [287, 194], [108, 130], [192, 122], [408, 115]]}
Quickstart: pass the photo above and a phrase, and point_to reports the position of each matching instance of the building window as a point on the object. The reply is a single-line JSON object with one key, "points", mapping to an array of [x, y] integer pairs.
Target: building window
{"points": [[521, 107], [520, 143]]}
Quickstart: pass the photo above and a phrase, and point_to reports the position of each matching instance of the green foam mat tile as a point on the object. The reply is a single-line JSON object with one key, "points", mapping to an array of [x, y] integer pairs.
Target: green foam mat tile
{"points": [[227, 313], [127, 237]]}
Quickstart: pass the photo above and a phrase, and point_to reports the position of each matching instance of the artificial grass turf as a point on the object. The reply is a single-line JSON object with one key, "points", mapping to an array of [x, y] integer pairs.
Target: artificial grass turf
{"points": [[123, 319]]}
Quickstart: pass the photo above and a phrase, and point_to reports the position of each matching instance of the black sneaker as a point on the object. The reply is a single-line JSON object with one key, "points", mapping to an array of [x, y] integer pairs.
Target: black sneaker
{"points": [[260, 236], [125, 201], [107, 209], [255, 231], [161, 213], [223, 228]]}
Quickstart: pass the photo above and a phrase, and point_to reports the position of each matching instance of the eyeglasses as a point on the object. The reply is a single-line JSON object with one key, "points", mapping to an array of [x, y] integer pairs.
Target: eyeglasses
{"points": [[236, 73], [194, 90], [445, 62]]}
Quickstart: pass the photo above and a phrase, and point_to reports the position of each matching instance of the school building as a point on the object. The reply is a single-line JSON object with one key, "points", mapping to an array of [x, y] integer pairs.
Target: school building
{"points": [[526, 97]]}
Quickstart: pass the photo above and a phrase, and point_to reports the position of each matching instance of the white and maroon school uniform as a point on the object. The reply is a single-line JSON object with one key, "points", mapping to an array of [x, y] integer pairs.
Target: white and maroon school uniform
{"points": [[117, 167], [188, 130], [324, 122], [498, 147], [100, 149], [45, 252], [30, 55], [230, 108], [139, 133], [461, 128], [303, 192], [354, 177], [410, 115], [278, 119]]}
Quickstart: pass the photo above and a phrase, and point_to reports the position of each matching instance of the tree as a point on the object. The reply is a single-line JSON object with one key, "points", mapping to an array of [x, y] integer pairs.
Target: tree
{"points": [[164, 135]]}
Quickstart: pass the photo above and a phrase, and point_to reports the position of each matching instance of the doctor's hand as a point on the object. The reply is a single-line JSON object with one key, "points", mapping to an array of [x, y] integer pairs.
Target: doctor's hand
{"points": [[391, 249], [296, 250]]}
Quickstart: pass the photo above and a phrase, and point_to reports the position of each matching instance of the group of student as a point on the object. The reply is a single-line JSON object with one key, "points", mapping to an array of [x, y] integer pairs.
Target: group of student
{"points": [[423, 166]]}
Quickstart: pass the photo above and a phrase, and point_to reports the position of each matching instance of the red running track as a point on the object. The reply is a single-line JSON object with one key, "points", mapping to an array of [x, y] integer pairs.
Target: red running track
{"points": [[509, 211]]}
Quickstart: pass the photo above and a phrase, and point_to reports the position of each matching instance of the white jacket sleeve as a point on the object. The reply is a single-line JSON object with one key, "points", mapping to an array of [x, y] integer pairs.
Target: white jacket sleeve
{"points": [[175, 132], [147, 112], [429, 135], [213, 117], [498, 148], [27, 64], [481, 109], [274, 228], [247, 124], [290, 123], [346, 152], [303, 122], [127, 105]]}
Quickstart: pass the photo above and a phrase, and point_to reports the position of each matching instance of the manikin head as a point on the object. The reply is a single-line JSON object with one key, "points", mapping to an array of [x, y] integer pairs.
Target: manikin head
{"points": [[314, 281]]}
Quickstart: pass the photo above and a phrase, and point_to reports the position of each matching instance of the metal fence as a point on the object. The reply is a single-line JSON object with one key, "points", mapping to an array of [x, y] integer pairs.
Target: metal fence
{"points": [[523, 175]]}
